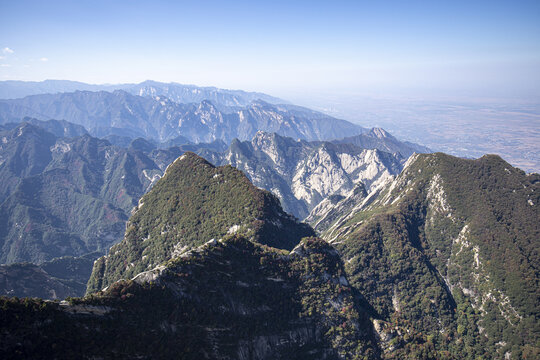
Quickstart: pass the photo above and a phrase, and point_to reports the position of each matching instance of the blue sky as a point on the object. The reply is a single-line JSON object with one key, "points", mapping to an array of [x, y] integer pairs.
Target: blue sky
{"points": [[281, 47]]}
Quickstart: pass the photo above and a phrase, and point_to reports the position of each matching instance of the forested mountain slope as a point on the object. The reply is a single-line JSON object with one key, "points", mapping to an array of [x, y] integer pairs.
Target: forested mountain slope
{"points": [[65, 196], [193, 203], [448, 258]]}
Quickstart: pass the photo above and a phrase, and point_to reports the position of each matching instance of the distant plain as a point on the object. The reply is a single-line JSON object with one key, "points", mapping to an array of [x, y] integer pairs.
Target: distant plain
{"points": [[461, 127]]}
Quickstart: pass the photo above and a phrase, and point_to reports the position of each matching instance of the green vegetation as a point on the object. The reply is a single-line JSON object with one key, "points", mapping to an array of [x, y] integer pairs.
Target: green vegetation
{"points": [[193, 203], [233, 297], [321, 274], [442, 265], [450, 257], [64, 197]]}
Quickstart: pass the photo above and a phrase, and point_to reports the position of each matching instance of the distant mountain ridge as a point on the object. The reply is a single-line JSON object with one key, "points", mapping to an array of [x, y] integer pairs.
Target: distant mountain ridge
{"points": [[15, 89], [59, 128], [186, 94], [378, 138], [220, 114], [120, 113], [179, 93]]}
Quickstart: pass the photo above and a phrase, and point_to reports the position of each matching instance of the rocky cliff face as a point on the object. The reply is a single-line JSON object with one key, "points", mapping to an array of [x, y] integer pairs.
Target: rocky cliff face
{"points": [[328, 211], [302, 173]]}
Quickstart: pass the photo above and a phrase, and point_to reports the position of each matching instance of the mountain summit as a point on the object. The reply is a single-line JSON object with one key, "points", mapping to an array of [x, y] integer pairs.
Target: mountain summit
{"points": [[193, 203]]}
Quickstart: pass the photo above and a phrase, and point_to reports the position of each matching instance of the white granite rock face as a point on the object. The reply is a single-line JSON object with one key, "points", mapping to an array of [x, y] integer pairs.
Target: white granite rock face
{"points": [[302, 174]]}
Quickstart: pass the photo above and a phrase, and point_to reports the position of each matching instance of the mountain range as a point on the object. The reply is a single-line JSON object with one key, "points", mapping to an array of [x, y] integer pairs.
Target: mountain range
{"points": [[441, 264], [284, 300], [162, 119], [68, 196], [65, 196], [174, 202], [179, 93]]}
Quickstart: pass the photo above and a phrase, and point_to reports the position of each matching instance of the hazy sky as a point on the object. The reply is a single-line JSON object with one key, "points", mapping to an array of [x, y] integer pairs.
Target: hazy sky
{"points": [[280, 47]]}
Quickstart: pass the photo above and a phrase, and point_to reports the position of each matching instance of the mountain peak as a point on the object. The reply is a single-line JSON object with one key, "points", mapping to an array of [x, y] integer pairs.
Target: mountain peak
{"points": [[264, 136], [188, 160], [259, 103], [470, 227], [192, 203], [27, 129], [380, 133], [207, 106]]}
